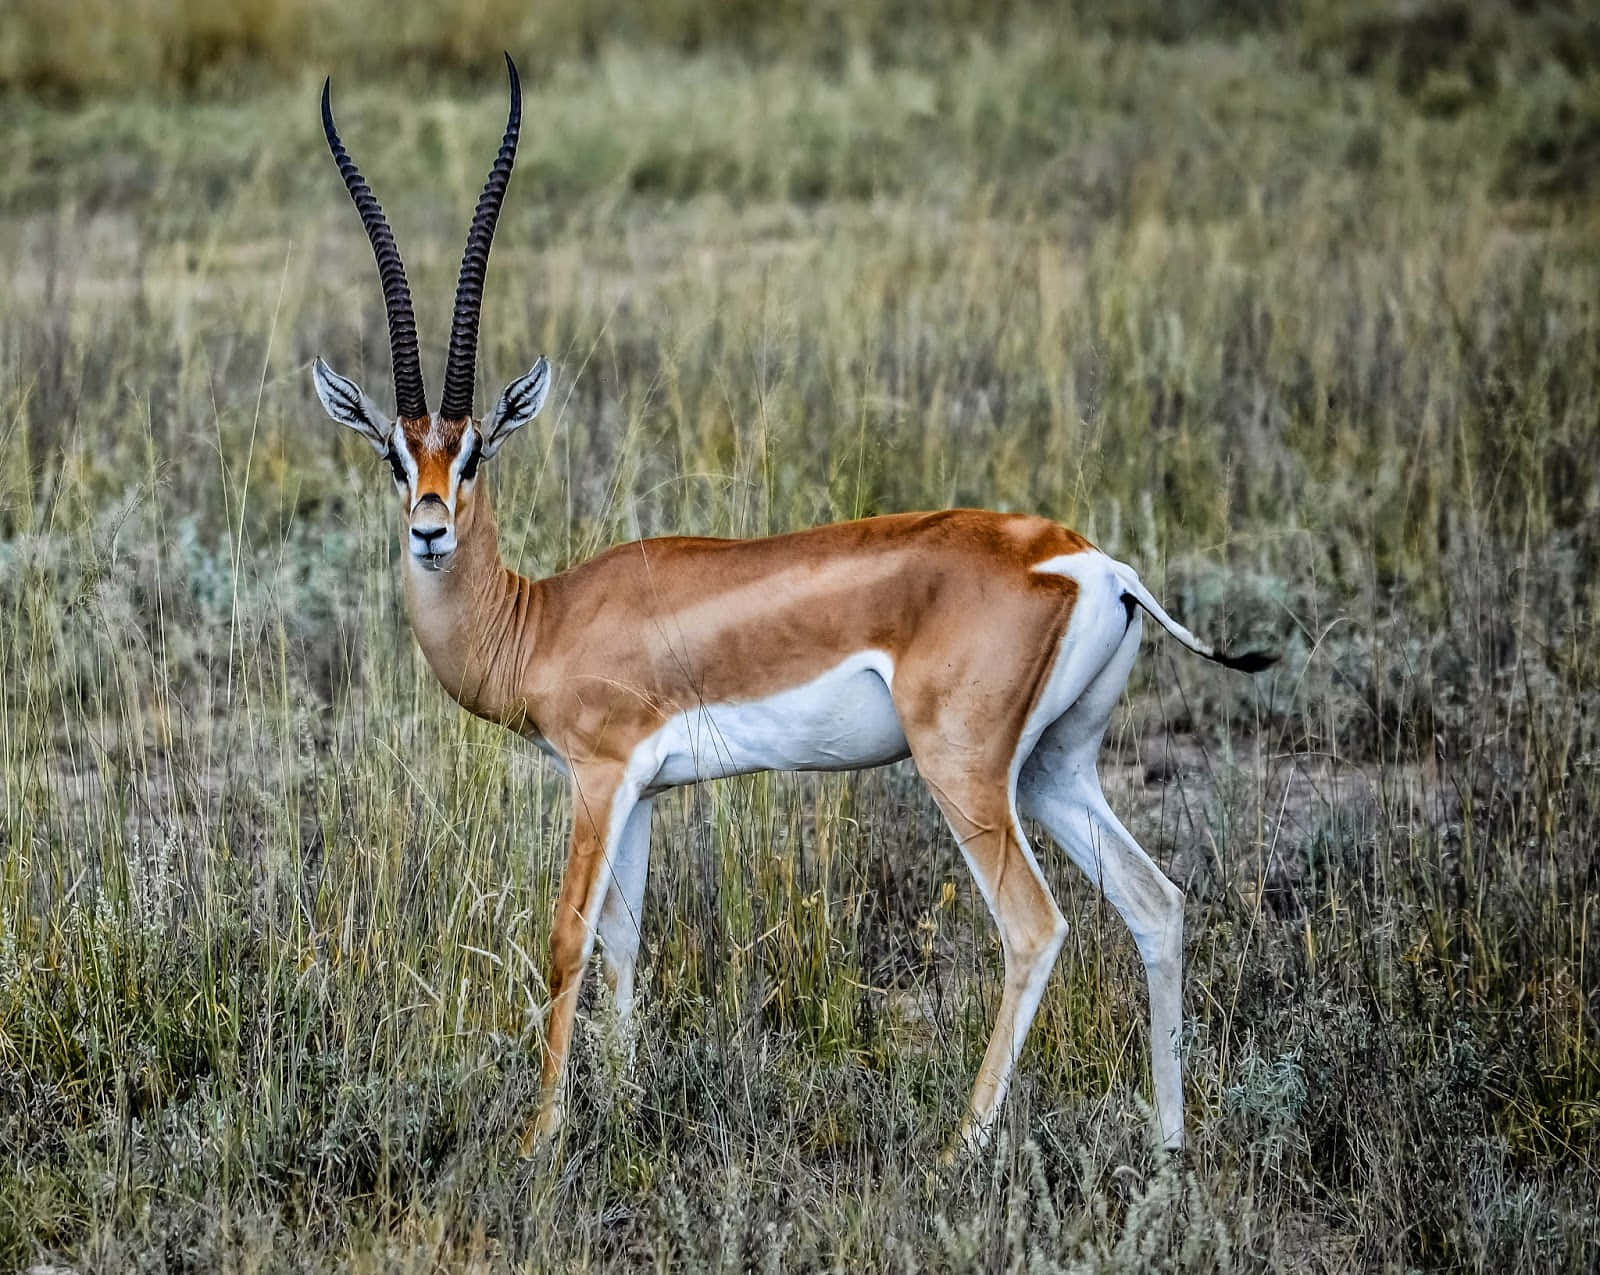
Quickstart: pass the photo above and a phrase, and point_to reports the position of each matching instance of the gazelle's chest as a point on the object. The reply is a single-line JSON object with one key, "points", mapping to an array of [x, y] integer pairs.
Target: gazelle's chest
{"points": [[843, 719]]}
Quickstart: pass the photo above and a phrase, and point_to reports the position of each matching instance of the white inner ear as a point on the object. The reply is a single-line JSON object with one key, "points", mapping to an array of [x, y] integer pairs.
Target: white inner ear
{"points": [[518, 404], [347, 403]]}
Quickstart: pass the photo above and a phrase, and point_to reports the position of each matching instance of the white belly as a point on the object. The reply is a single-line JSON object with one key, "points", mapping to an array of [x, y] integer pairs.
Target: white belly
{"points": [[842, 720]]}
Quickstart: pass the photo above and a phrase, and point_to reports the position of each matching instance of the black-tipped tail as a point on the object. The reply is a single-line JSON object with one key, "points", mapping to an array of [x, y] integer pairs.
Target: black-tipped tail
{"points": [[1249, 661], [1133, 590]]}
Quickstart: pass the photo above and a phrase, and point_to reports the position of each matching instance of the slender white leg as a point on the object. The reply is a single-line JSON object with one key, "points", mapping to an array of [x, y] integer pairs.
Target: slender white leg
{"points": [[1059, 786], [622, 912], [1062, 791]]}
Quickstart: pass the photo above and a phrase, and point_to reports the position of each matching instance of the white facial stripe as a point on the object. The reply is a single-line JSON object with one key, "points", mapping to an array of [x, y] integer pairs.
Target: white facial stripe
{"points": [[397, 442], [471, 440], [469, 444]]}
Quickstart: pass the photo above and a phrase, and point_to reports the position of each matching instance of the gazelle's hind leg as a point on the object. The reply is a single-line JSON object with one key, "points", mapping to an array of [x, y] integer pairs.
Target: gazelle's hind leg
{"points": [[981, 813], [1060, 787], [623, 909]]}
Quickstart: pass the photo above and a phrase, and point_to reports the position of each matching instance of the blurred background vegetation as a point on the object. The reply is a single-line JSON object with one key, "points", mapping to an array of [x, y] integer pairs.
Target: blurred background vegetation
{"points": [[1445, 52], [1294, 306]]}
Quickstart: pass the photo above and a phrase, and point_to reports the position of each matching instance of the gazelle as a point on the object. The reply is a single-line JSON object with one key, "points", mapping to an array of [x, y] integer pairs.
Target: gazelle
{"points": [[989, 648]]}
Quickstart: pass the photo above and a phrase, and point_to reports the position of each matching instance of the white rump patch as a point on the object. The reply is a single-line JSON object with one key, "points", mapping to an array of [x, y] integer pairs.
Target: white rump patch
{"points": [[1098, 624]]}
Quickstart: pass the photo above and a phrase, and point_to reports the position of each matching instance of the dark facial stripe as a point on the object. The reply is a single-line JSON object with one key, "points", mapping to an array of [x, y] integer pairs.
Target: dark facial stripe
{"points": [[469, 467]]}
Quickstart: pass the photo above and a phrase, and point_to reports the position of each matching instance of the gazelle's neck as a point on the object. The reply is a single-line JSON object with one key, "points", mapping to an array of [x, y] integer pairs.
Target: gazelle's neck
{"points": [[474, 620]]}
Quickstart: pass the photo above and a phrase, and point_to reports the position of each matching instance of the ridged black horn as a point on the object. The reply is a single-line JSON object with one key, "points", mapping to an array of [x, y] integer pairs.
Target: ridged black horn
{"points": [[410, 400], [460, 369]]}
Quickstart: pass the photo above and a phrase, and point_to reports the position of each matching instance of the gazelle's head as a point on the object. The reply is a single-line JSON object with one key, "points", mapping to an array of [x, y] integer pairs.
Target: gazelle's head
{"points": [[434, 457]]}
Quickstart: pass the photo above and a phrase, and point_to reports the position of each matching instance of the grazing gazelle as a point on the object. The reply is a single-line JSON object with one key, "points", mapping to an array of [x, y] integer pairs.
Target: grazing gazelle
{"points": [[989, 648]]}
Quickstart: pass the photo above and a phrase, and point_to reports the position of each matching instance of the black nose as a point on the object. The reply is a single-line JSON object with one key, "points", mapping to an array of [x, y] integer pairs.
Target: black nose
{"points": [[428, 534]]}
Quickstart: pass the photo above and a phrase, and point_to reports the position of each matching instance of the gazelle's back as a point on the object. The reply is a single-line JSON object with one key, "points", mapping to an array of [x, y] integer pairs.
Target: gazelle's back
{"points": [[685, 620]]}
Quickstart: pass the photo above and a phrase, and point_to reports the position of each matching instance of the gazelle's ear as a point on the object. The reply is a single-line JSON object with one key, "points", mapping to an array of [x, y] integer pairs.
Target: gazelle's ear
{"points": [[518, 404], [348, 404]]}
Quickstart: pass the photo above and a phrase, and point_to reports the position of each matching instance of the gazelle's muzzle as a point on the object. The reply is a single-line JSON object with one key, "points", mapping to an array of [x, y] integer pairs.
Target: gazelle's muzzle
{"points": [[432, 534]]}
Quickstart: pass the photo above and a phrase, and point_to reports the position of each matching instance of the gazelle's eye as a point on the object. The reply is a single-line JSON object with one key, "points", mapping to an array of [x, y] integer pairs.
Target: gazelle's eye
{"points": [[393, 457], [469, 469]]}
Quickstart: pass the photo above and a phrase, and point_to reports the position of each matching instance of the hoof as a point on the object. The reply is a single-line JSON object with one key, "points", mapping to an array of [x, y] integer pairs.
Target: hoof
{"points": [[968, 1145], [542, 1129]]}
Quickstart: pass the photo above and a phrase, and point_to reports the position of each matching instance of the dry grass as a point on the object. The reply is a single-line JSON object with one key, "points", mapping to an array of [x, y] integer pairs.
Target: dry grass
{"points": [[1313, 344]]}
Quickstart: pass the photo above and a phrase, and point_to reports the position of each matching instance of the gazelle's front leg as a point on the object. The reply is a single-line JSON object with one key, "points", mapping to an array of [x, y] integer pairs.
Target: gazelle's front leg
{"points": [[601, 804]]}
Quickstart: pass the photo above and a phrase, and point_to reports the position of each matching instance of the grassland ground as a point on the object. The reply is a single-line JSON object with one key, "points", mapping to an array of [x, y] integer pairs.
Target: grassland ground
{"points": [[1309, 336]]}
